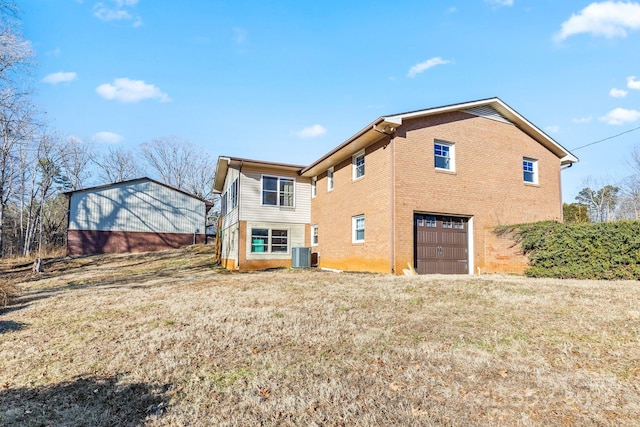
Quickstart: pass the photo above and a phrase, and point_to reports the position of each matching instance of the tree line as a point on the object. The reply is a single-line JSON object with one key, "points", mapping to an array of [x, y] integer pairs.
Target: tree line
{"points": [[39, 164], [601, 202]]}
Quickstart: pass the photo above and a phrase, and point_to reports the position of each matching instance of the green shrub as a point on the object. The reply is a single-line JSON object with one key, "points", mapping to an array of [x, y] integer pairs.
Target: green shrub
{"points": [[581, 251]]}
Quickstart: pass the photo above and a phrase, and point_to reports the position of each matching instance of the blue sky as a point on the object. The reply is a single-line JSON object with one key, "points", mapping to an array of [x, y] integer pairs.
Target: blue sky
{"points": [[289, 80]]}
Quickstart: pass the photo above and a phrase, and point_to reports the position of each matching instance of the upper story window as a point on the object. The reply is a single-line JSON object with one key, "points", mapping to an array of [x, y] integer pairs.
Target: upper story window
{"points": [[233, 194], [357, 229], [530, 170], [278, 191], [358, 165], [444, 155], [314, 186], [330, 179], [223, 204]]}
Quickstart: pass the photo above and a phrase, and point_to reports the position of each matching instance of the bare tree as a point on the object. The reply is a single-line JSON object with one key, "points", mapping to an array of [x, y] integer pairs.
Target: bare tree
{"points": [[16, 129], [602, 204], [116, 165], [181, 164], [16, 115], [74, 162]]}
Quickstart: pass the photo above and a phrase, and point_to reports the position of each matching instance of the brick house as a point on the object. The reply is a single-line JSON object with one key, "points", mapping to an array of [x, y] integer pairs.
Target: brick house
{"points": [[424, 188]]}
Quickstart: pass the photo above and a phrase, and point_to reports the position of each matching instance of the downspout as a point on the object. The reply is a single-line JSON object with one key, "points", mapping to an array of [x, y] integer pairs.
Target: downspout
{"points": [[393, 206], [239, 204], [392, 255]]}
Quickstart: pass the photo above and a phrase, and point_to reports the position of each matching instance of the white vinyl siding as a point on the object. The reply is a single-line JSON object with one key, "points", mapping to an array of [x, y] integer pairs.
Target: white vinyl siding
{"points": [[250, 193], [232, 211], [139, 206]]}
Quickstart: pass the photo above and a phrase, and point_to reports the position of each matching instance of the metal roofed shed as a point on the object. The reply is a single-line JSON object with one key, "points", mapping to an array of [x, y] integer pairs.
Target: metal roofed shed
{"points": [[138, 215]]}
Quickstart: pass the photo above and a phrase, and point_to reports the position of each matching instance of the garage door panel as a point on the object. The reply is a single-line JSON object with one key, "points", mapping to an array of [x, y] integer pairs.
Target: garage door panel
{"points": [[440, 244]]}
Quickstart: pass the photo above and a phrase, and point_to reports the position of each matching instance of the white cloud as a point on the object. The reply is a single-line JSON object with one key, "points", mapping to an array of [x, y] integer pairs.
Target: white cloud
{"points": [[618, 93], [500, 2], [107, 138], [632, 83], [60, 77], [425, 65], [126, 90], [121, 3], [583, 120], [311, 131], [552, 129], [104, 13], [620, 116], [609, 19], [119, 13]]}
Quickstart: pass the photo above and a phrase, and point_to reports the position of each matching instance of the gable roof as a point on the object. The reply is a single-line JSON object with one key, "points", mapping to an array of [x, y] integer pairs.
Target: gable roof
{"points": [[132, 181], [225, 161], [491, 108]]}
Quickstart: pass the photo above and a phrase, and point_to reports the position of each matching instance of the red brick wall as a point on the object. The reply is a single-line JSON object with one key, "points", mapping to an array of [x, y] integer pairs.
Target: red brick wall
{"points": [[84, 242], [486, 186], [333, 210], [503, 254]]}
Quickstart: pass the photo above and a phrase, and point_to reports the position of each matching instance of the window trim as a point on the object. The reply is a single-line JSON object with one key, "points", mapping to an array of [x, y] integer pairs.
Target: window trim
{"points": [[330, 181], [534, 172], [354, 230], [268, 246], [314, 235], [278, 193], [452, 155], [354, 160], [314, 187]]}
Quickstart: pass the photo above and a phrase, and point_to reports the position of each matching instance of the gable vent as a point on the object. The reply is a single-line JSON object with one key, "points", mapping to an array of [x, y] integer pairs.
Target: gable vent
{"points": [[488, 113]]}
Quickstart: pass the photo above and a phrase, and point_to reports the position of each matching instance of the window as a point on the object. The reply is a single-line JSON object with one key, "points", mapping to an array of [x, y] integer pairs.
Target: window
{"points": [[358, 165], [279, 240], [233, 194], [447, 223], [330, 179], [277, 191], [357, 224], [314, 182], [264, 240], [314, 235], [530, 170], [444, 155], [223, 204], [259, 240], [430, 221]]}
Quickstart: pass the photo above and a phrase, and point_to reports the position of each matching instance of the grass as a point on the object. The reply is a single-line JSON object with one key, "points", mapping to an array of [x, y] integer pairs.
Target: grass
{"points": [[164, 339]]}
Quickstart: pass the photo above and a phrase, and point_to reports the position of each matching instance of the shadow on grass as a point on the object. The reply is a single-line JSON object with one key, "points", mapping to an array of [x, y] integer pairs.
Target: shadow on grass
{"points": [[86, 401], [10, 326]]}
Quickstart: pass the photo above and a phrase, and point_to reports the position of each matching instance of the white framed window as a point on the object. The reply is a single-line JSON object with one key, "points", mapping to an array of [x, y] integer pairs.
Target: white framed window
{"points": [[314, 186], [358, 165], [444, 155], [278, 191], [233, 195], [530, 170], [330, 179], [223, 204], [265, 240], [357, 226], [314, 235]]}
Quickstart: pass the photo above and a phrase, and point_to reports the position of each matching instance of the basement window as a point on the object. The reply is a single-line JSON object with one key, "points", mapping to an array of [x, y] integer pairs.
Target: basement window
{"points": [[357, 225], [265, 240]]}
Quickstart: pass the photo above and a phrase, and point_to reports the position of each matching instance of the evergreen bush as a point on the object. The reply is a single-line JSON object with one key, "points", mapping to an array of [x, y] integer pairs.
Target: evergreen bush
{"points": [[581, 251]]}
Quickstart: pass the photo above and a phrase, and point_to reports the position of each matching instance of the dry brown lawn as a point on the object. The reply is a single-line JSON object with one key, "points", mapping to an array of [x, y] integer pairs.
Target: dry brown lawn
{"points": [[169, 339]]}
